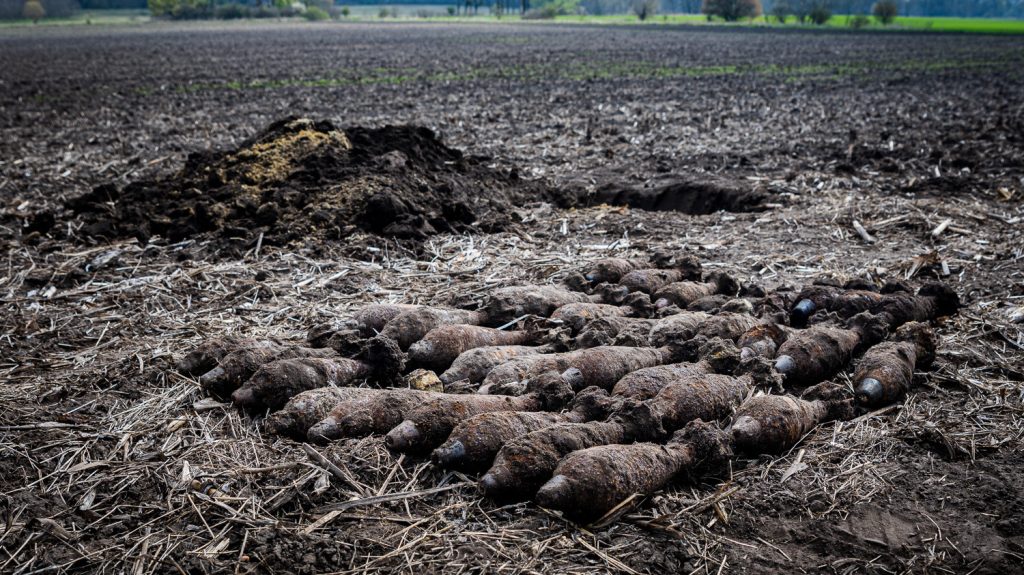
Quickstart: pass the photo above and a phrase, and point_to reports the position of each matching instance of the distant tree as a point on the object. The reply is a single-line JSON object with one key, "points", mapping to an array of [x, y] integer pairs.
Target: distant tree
{"points": [[732, 10], [645, 8], [689, 6], [820, 14], [780, 11], [346, 11], [264, 11], [181, 9], [232, 11], [802, 9], [885, 11], [158, 7], [316, 14], [857, 22], [112, 4], [33, 10], [551, 8]]}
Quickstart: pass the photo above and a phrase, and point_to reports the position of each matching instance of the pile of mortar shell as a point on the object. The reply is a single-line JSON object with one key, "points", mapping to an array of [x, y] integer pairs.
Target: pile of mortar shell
{"points": [[707, 370]]}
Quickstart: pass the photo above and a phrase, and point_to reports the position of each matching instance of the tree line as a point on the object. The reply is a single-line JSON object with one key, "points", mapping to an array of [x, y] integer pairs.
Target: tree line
{"points": [[799, 9], [959, 8]]}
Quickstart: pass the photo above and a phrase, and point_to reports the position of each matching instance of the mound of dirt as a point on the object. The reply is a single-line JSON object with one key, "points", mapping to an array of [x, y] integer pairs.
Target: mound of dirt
{"points": [[302, 180]]}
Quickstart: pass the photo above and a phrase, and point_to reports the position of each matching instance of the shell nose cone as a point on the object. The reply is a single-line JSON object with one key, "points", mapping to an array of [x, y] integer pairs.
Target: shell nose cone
{"points": [[488, 484], [282, 423], [447, 455], [785, 365], [322, 433], [574, 377], [244, 397], [870, 391], [498, 483], [403, 437], [745, 432], [553, 492], [421, 351], [802, 311], [212, 377]]}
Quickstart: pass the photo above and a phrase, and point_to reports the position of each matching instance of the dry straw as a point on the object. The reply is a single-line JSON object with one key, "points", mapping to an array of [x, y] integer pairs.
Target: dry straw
{"points": [[112, 462]]}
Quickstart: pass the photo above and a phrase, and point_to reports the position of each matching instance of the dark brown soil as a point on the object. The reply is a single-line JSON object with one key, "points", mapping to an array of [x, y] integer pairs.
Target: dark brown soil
{"points": [[107, 456], [301, 180], [691, 197]]}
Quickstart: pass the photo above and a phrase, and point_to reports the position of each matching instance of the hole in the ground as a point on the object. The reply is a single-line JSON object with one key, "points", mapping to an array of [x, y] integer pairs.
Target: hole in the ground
{"points": [[688, 196]]}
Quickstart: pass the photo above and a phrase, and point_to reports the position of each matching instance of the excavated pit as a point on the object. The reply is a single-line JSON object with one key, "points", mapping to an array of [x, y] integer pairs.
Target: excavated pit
{"points": [[690, 196]]}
